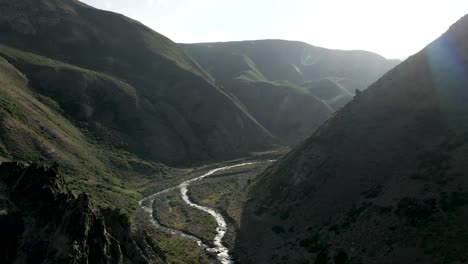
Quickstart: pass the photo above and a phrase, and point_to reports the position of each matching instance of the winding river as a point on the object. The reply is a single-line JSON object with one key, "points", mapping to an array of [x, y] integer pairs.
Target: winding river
{"points": [[219, 249]]}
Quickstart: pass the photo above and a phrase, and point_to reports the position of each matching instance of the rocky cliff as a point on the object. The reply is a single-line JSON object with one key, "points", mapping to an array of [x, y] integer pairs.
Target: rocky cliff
{"points": [[42, 222]]}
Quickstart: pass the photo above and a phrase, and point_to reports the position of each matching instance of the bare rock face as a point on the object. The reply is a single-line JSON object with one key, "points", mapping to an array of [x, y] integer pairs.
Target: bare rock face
{"points": [[42, 222]]}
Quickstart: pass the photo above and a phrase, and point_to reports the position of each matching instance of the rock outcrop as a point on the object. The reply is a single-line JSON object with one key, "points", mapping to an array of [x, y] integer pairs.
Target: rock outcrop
{"points": [[42, 222]]}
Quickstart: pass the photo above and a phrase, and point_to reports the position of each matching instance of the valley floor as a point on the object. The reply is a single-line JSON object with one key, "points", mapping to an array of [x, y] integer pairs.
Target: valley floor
{"points": [[224, 192]]}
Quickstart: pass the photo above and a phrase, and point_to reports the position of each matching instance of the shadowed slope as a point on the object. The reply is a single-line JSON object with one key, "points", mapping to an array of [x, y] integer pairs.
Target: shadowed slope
{"points": [[42, 222], [383, 181]]}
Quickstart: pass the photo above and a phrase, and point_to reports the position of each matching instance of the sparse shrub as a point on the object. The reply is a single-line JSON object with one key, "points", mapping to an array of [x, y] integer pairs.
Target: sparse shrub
{"points": [[385, 209], [340, 228], [433, 165], [3, 151], [312, 244], [284, 215], [341, 258], [355, 260], [278, 229], [453, 202], [416, 211], [345, 226], [457, 141], [373, 192], [335, 228], [322, 257], [354, 213], [10, 109]]}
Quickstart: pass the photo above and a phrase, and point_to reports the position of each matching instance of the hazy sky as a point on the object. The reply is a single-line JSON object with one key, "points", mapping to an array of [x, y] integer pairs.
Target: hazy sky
{"points": [[392, 28]]}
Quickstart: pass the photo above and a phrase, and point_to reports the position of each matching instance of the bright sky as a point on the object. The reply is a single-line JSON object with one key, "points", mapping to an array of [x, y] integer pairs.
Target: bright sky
{"points": [[392, 28]]}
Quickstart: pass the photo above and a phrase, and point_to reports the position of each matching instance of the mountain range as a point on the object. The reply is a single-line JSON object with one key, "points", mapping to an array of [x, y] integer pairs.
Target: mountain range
{"points": [[289, 87], [98, 111], [154, 101]]}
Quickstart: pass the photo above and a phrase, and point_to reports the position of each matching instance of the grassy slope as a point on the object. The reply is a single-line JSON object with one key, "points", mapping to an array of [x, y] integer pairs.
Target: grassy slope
{"points": [[33, 129], [296, 62], [271, 79], [330, 91], [273, 103], [178, 115]]}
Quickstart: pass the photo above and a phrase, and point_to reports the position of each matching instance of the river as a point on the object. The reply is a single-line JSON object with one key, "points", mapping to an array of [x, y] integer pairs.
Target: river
{"points": [[221, 251]]}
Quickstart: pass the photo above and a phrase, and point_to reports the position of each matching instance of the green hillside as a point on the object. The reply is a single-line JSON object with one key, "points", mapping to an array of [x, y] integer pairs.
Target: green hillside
{"points": [[289, 87], [163, 108], [33, 129]]}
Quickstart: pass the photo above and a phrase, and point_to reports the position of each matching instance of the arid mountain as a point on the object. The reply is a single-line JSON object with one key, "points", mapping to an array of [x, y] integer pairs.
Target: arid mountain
{"points": [[383, 181], [289, 87], [129, 86]]}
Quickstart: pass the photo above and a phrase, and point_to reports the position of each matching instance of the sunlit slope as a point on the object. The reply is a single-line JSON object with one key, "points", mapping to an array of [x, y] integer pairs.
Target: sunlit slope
{"points": [[289, 87], [329, 91], [292, 61]]}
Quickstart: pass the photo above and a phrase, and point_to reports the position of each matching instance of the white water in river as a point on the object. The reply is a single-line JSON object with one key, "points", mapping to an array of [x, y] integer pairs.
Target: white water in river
{"points": [[147, 205], [219, 249]]}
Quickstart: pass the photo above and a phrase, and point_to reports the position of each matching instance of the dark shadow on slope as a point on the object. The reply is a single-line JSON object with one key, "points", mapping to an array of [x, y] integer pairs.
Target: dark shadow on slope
{"points": [[375, 182]]}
